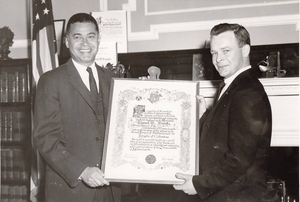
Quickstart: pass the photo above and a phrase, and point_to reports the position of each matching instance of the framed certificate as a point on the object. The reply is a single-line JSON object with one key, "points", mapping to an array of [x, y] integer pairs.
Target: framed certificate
{"points": [[152, 131]]}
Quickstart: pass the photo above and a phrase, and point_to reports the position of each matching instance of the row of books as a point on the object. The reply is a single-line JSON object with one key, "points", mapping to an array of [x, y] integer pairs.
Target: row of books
{"points": [[13, 87], [14, 193], [14, 165], [14, 126]]}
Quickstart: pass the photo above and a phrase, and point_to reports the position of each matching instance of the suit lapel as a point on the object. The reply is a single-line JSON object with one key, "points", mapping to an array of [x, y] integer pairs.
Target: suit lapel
{"points": [[231, 89], [235, 83], [76, 81]]}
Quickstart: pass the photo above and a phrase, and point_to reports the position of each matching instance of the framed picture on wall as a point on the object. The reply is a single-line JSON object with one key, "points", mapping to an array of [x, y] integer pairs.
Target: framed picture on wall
{"points": [[59, 26], [113, 28]]}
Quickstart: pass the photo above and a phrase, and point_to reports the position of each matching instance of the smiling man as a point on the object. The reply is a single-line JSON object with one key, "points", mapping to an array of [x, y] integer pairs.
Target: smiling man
{"points": [[235, 134], [70, 112]]}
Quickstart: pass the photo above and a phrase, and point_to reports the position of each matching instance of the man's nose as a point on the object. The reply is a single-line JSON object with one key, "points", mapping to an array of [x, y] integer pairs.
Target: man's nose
{"points": [[219, 57], [84, 41]]}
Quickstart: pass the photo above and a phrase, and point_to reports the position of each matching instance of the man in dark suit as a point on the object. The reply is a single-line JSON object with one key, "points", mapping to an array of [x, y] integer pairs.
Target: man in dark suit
{"points": [[70, 117], [235, 134]]}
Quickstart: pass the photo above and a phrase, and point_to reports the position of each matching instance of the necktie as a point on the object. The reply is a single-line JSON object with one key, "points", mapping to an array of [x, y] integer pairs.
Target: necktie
{"points": [[93, 86], [221, 86]]}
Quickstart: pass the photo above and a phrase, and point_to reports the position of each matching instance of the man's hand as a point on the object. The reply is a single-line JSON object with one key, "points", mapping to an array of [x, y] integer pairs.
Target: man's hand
{"points": [[93, 177], [202, 103], [187, 187]]}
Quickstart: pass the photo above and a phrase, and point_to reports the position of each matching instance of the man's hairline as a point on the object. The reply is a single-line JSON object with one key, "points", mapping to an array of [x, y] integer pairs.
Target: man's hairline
{"points": [[67, 31], [240, 44]]}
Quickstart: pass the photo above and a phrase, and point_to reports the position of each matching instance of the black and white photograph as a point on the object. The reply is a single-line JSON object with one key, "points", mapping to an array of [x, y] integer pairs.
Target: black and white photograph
{"points": [[149, 101]]}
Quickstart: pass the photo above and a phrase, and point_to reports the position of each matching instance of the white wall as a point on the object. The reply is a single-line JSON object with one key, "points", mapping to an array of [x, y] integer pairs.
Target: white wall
{"points": [[155, 25], [178, 24]]}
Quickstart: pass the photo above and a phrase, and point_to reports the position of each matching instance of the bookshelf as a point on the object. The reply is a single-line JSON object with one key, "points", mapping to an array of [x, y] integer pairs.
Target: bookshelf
{"points": [[15, 133]]}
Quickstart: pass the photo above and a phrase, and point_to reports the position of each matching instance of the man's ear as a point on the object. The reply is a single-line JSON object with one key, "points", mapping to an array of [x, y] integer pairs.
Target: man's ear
{"points": [[246, 50], [67, 42]]}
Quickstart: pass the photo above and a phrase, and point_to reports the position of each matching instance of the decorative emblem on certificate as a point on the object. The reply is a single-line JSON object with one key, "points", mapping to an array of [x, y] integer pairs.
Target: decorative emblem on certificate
{"points": [[152, 131], [150, 159]]}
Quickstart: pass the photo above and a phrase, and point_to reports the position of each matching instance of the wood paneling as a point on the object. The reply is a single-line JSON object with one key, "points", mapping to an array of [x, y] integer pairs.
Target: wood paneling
{"points": [[178, 64]]}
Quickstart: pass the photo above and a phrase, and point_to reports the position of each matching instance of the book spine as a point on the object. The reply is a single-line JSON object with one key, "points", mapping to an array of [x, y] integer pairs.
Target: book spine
{"points": [[19, 126], [23, 85], [24, 194], [11, 88], [11, 193], [1, 87], [17, 85], [3, 164], [1, 126], [23, 170], [5, 124], [15, 125], [13, 84], [4, 193], [4, 95], [18, 194], [9, 164], [16, 163], [10, 127]]}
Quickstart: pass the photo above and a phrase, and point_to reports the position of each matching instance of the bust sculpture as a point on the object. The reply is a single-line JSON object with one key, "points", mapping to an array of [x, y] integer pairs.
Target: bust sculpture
{"points": [[6, 40]]}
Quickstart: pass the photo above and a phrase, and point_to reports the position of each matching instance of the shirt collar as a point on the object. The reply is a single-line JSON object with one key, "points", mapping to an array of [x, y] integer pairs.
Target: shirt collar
{"points": [[82, 68], [230, 79], [84, 75]]}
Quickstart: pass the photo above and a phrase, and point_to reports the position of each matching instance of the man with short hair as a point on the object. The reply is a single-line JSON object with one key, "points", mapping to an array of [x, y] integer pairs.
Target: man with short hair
{"points": [[235, 134], [70, 117]]}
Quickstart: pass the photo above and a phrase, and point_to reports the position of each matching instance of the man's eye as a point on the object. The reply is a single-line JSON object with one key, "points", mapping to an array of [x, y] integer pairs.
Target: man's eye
{"points": [[77, 37], [91, 36], [225, 51]]}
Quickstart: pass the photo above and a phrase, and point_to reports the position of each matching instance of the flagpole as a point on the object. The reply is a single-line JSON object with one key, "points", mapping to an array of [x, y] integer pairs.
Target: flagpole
{"points": [[29, 6], [33, 185]]}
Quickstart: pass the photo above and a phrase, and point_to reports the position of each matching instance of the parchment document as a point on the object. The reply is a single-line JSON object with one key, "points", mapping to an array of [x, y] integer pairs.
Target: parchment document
{"points": [[152, 131]]}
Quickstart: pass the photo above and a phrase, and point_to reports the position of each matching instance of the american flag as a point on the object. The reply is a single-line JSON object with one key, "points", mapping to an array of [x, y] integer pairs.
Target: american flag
{"points": [[44, 53], [44, 58]]}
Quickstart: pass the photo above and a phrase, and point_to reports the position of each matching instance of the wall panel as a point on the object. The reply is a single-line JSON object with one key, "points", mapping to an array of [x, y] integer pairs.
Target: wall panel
{"points": [[155, 25]]}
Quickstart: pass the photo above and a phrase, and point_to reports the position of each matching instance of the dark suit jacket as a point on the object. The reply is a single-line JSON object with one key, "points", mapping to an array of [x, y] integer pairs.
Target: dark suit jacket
{"points": [[68, 135], [234, 143]]}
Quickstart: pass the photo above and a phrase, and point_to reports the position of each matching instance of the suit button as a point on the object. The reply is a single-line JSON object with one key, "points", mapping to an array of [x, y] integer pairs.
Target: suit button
{"points": [[97, 165], [97, 138]]}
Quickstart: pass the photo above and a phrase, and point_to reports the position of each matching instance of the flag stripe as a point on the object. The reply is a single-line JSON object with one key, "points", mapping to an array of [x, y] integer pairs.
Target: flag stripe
{"points": [[37, 68], [45, 51]]}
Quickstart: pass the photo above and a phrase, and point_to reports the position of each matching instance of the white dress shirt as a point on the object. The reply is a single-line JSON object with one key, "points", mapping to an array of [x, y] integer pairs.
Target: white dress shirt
{"points": [[85, 75]]}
